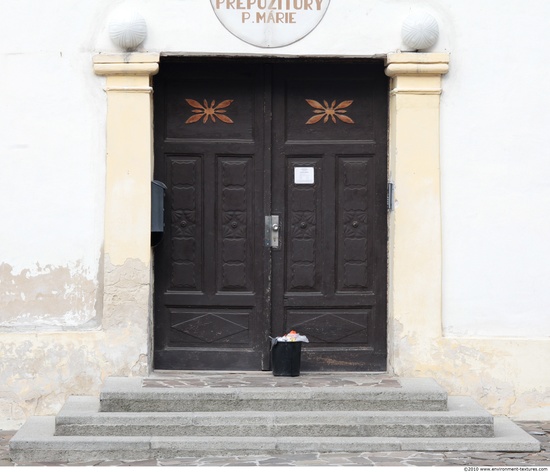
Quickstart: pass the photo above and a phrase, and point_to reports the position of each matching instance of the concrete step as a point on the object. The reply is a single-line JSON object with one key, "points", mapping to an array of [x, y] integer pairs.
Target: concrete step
{"points": [[129, 394], [36, 442], [465, 418]]}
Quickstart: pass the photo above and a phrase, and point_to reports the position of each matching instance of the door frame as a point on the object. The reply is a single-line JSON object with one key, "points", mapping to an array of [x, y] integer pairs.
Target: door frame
{"points": [[414, 242], [352, 307]]}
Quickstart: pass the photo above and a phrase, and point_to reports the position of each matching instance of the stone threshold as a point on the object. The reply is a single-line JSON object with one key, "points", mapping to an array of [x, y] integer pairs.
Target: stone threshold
{"points": [[214, 379]]}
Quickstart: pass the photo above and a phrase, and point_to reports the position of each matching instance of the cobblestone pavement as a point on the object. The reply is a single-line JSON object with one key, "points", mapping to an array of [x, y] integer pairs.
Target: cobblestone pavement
{"points": [[539, 430]]}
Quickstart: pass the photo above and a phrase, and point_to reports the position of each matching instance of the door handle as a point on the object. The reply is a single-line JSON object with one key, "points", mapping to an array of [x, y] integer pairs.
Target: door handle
{"points": [[272, 228]]}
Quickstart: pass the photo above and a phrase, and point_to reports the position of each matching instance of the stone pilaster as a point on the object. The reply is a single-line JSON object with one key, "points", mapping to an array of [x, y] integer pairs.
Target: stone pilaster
{"points": [[415, 224], [129, 164], [129, 154]]}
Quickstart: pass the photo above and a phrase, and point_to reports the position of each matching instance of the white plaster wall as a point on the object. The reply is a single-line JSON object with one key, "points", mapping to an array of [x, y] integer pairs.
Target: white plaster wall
{"points": [[349, 28], [495, 172], [52, 146]]}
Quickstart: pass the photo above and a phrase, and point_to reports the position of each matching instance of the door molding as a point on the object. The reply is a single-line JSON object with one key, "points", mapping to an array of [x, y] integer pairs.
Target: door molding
{"points": [[414, 248]]}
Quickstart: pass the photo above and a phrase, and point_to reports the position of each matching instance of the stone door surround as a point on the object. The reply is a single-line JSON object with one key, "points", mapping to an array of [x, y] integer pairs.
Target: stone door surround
{"points": [[414, 245]]}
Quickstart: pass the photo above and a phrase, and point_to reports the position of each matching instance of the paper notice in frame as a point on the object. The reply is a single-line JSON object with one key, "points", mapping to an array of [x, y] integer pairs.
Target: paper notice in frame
{"points": [[304, 175]]}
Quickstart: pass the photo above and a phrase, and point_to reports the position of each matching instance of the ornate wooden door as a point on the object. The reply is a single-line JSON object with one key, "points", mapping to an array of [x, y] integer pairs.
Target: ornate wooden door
{"points": [[210, 267], [329, 188], [228, 140]]}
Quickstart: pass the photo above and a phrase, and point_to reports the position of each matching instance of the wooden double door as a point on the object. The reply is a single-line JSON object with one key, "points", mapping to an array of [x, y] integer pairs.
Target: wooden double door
{"points": [[236, 142]]}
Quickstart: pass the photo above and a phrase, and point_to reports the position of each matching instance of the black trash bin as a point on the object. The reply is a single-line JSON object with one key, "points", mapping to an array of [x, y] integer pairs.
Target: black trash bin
{"points": [[286, 358]]}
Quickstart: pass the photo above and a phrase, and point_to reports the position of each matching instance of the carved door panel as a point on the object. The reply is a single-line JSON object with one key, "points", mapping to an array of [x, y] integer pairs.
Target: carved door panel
{"points": [[329, 277], [228, 140]]}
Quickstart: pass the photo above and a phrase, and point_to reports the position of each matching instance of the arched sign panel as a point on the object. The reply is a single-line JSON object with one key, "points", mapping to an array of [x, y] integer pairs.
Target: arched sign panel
{"points": [[270, 23]]}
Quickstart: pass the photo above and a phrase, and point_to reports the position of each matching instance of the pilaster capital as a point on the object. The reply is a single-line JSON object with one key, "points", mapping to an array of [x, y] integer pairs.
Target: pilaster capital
{"points": [[418, 64], [130, 64]]}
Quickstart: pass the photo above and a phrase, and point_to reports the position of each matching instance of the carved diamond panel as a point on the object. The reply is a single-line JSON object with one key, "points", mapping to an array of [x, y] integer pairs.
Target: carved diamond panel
{"points": [[212, 327], [331, 327]]}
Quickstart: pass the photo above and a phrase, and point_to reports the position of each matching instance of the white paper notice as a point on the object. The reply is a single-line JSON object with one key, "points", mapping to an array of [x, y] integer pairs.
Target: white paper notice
{"points": [[304, 175]]}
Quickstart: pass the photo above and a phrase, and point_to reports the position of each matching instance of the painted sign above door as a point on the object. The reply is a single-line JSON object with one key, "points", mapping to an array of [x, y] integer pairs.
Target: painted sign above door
{"points": [[270, 23]]}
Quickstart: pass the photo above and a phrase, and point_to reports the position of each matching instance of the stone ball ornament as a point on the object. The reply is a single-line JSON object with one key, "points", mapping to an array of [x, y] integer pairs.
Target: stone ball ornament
{"points": [[127, 29], [420, 30]]}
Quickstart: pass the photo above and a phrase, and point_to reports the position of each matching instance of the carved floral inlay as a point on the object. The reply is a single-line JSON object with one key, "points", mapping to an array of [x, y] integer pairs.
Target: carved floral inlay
{"points": [[211, 111], [326, 111]]}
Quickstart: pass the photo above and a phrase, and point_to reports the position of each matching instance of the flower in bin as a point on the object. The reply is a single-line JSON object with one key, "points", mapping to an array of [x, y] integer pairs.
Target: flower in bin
{"points": [[292, 336]]}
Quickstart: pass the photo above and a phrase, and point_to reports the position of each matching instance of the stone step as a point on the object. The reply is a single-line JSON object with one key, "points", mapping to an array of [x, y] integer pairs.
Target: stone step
{"points": [[129, 394], [36, 442], [465, 418]]}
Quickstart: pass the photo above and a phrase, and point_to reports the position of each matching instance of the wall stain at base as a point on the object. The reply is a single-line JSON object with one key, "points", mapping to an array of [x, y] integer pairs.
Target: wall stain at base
{"points": [[50, 298]]}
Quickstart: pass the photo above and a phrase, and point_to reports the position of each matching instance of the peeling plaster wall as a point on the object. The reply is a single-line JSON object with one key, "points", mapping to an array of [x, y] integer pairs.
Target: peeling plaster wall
{"points": [[39, 370], [51, 298], [507, 376], [68, 316]]}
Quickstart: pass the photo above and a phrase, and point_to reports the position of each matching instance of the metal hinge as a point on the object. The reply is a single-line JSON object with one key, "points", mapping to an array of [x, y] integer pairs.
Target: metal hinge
{"points": [[390, 196]]}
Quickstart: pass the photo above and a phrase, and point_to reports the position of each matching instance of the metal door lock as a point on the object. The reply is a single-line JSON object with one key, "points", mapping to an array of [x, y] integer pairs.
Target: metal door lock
{"points": [[272, 231]]}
